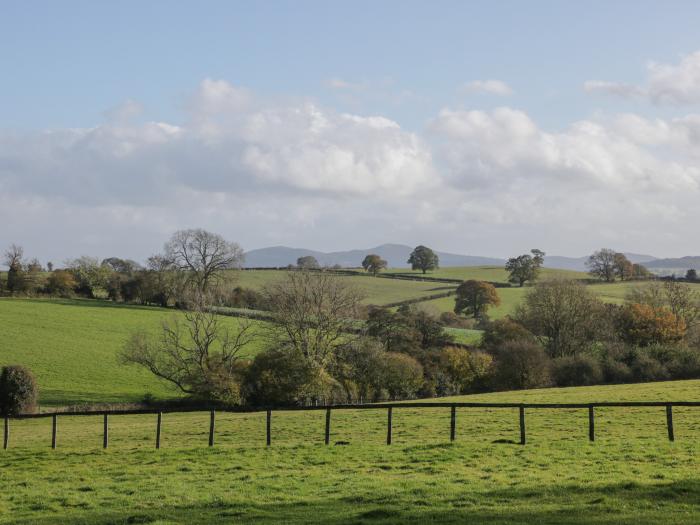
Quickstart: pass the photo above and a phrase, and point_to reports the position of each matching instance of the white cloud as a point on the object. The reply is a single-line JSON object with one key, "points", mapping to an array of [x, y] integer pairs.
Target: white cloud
{"points": [[491, 87], [666, 84], [263, 172]]}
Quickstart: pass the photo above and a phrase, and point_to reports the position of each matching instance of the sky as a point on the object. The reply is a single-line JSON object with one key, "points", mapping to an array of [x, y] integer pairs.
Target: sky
{"points": [[483, 128]]}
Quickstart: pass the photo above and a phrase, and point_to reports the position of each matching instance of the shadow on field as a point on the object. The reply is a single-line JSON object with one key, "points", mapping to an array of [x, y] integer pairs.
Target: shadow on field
{"points": [[624, 503]]}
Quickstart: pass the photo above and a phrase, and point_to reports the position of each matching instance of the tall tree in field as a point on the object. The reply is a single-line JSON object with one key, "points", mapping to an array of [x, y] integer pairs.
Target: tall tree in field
{"points": [[308, 262], [203, 255], [424, 259], [525, 267], [624, 269], [691, 275], [373, 264], [13, 260], [601, 264], [564, 316], [314, 313], [474, 298], [196, 352]]}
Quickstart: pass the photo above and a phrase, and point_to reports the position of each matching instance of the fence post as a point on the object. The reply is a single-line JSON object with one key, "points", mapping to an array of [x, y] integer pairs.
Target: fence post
{"points": [[54, 424], [522, 424], [269, 434], [591, 424], [105, 433], [453, 421], [6, 435], [160, 417], [388, 426], [328, 426], [669, 422], [212, 419]]}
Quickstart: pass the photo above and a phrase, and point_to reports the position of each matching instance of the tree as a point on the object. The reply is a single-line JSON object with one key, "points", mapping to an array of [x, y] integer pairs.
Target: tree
{"points": [[467, 371], [639, 271], [678, 297], [13, 260], [691, 275], [358, 369], [622, 266], [521, 364], [564, 316], [125, 266], [308, 262], [374, 264], [313, 314], [61, 282], [401, 375], [525, 267], [49, 266], [474, 298], [203, 255], [90, 275], [194, 351], [424, 259], [501, 331], [601, 264], [645, 325]]}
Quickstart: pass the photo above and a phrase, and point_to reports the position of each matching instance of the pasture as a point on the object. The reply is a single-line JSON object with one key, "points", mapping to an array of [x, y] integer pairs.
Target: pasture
{"points": [[72, 346], [630, 474]]}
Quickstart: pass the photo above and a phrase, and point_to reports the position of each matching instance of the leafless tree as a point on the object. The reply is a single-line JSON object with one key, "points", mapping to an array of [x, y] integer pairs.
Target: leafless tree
{"points": [[601, 264], [314, 313], [13, 257], [195, 352], [203, 254]]}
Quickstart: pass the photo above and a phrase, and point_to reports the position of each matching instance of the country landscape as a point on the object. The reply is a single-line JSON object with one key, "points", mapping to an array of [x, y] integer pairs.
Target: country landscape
{"points": [[299, 262]]}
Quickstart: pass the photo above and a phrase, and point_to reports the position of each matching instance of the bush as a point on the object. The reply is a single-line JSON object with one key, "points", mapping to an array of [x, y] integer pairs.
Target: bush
{"points": [[464, 370], [18, 391], [647, 368], [521, 364], [501, 331], [278, 376], [576, 371], [402, 376]]}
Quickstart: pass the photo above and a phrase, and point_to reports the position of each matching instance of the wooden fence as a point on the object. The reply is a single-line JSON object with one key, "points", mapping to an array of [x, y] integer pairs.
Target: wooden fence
{"points": [[389, 407]]}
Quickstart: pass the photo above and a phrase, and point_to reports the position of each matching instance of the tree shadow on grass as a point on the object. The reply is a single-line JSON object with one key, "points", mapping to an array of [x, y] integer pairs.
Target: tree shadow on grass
{"points": [[623, 503]]}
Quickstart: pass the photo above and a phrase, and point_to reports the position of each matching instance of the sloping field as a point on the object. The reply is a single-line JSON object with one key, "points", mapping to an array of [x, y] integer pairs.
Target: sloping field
{"points": [[631, 474], [376, 290], [72, 346], [483, 273]]}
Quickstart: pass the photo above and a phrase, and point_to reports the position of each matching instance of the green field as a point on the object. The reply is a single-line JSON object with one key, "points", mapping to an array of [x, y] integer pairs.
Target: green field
{"points": [[376, 291], [483, 273], [631, 474], [72, 346]]}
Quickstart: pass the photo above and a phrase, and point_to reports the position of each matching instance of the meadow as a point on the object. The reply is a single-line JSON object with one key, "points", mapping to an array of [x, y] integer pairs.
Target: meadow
{"points": [[630, 474], [72, 346]]}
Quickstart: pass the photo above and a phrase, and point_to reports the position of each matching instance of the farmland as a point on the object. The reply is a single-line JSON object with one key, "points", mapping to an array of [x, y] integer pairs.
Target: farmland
{"points": [[72, 347], [558, 477]]}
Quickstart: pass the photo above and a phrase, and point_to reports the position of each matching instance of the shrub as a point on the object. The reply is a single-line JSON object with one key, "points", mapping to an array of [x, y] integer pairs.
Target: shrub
{"points": [[61, 283], [453, 320], [644, 325], [465, 371], [501, 331], [402, 376], [647, 368], [18, 391], [576, 371], [521, 364], [278, 377]]}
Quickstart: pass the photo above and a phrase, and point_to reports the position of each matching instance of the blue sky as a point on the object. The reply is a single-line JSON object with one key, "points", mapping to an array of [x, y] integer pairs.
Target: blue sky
{"points": [[88, 88]]}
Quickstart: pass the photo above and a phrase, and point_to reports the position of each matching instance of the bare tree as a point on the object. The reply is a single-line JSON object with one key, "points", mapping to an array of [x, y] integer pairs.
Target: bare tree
{"points": [[601, 264], [314, 313], [203, 254], [195, 352], [13, 256]]}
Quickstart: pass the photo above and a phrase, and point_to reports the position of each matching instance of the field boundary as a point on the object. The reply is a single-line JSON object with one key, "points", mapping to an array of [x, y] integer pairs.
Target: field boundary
{"points": [[389, 407]]}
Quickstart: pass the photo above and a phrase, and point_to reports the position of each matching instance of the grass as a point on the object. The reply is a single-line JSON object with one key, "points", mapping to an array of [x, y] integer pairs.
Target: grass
{"points": [[376, 291], [631, 474], [72, 346], [484, 273]]}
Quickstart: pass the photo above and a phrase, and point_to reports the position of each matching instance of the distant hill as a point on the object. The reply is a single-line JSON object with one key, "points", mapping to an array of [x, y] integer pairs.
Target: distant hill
{"points": [[677, 265], [395, 254], [579, 263]]}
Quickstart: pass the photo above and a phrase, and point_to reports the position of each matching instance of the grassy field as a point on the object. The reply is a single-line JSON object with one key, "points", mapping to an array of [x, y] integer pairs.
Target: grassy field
{"points": [[72, 348], [631, 474], [376, 291], [483, 273]]}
